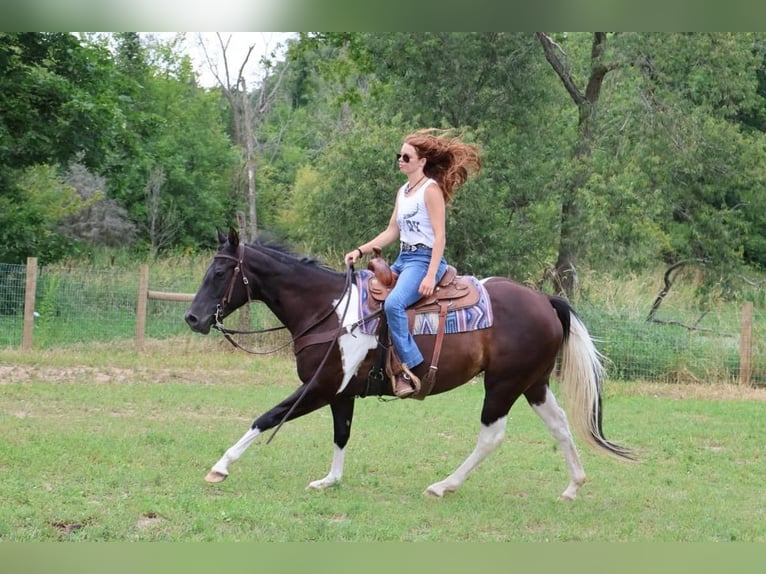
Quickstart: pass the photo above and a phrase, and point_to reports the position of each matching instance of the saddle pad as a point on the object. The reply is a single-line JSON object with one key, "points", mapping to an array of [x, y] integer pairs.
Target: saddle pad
{"points": [[478, 316]]}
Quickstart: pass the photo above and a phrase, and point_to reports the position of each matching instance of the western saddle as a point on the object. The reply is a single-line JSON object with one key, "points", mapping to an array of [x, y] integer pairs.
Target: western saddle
{"points": [[453, 292]]}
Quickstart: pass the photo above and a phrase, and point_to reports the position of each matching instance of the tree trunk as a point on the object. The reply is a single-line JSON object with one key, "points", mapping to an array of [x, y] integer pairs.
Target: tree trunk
{"points": [[250, 165], [569, 242]]}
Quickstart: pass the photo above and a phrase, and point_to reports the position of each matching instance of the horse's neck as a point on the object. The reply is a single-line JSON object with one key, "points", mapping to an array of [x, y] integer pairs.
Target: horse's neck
{"points": [[300, 295]]}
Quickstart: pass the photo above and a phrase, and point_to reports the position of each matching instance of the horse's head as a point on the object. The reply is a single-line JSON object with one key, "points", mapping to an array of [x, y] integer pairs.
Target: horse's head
{"points": [[224, 287]]}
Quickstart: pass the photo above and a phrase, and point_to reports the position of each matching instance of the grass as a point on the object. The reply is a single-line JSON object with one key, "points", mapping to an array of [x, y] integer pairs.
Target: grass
{"points": [[103, 444]]}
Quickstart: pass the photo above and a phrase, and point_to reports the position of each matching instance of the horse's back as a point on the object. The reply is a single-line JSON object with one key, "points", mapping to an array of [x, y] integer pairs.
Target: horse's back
{"points": [[525, 321]]}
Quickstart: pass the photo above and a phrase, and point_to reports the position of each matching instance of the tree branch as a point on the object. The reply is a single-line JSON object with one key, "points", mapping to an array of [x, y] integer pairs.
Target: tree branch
{"points": [[668, 283], [550, 48]]}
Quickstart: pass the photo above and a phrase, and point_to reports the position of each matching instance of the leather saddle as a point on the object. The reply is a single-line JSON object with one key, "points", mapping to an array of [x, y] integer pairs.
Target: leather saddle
{"points": [[456, 291], [452, 292]]}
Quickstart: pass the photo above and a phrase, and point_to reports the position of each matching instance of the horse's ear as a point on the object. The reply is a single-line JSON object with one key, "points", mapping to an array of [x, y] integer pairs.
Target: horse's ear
{"points": [[221, 236], [233, 237]]}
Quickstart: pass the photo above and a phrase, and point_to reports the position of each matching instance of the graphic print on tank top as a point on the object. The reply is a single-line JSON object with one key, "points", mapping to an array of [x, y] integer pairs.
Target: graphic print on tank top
{"points": [[413, 220], [410, 220]]}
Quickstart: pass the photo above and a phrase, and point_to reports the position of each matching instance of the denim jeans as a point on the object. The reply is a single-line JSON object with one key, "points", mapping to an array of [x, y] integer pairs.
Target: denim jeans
{"points": [[412, 267]]}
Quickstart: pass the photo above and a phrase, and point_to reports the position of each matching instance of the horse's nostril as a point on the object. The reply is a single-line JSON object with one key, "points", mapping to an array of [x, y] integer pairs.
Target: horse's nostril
{"points": [[191, 319]]}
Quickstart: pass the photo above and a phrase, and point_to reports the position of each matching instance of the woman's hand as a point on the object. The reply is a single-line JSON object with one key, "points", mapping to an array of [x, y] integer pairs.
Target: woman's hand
{"points": [[352, 256], [427, 286]]}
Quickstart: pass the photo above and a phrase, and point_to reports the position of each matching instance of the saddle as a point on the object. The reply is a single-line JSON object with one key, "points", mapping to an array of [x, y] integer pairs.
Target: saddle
{"points": [[453, 290], [451, 293]]}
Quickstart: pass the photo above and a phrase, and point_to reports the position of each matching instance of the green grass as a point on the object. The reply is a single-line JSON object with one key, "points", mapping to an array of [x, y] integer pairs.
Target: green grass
{"points": [[102, 444]]}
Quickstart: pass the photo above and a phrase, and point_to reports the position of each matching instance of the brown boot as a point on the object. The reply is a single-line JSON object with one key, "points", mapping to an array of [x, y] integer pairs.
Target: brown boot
{"points": [[403, 387]]}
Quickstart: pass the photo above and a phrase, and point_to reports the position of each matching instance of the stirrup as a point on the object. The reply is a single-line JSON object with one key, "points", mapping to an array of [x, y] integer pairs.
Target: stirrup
{"points": [[403, 386], [408, 378]]}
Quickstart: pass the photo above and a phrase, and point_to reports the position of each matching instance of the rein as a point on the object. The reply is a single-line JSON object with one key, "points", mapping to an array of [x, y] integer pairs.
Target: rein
{"points": [[239, 270]]}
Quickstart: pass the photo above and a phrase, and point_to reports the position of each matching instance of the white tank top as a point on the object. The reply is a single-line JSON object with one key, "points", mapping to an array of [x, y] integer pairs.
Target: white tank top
{"points": [[412, 216]]}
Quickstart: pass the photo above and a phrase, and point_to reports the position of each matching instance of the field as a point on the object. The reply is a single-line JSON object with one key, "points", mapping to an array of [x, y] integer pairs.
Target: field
{"points": [[104, 444]]}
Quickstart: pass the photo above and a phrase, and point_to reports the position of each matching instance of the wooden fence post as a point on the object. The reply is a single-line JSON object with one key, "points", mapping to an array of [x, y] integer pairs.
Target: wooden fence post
{"points": [[142, 301], [745, 344], [29, 303], [143, 295]]}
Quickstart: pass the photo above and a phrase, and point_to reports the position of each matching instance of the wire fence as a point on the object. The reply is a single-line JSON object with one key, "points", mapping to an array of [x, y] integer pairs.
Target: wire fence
{"points": [[76, 305]]}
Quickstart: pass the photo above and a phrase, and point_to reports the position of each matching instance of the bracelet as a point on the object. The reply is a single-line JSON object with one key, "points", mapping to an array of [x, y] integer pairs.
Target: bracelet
{"points": [[361, 253]]}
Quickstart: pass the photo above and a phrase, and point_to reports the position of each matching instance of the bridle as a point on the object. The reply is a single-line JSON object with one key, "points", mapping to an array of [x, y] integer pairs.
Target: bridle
{"points": [[239, 271]]}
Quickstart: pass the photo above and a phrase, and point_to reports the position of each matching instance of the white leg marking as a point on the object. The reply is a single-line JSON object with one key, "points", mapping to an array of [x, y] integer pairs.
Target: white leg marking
{"points": [[489, 439], [353, 348], [222, 466], [556, 421], [336, 471]]}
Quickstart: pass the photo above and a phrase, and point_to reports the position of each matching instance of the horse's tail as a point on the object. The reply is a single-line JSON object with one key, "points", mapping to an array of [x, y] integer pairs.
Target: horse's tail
{"points": [[581, 374]]}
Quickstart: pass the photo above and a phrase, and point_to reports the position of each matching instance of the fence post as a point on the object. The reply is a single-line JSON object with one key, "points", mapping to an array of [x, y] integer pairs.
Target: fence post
{"points": [[29, 303], [143, 295], [745, 344]]}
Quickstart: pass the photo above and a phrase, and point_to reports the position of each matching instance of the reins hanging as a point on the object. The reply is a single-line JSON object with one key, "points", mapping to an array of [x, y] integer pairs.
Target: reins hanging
{"points": [[239, 270], [346, 289]]}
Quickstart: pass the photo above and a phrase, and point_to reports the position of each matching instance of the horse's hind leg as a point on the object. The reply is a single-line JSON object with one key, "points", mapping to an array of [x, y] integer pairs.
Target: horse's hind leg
{"points": [[543, 402], [490, 437]]}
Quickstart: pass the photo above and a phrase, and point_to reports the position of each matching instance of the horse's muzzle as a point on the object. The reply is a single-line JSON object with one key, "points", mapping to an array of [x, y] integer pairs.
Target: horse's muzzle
{"points": [[197, 325]]}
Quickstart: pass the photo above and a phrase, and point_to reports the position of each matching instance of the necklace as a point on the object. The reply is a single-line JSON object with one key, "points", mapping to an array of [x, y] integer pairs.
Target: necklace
{"points": [[411, 187]]}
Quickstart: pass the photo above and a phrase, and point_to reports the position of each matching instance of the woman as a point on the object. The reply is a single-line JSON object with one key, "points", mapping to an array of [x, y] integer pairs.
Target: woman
{"points": [[435, 165]]}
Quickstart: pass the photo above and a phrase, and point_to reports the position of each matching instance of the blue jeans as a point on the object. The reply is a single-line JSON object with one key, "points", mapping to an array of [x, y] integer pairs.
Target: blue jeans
{"points": [[412, 267]]}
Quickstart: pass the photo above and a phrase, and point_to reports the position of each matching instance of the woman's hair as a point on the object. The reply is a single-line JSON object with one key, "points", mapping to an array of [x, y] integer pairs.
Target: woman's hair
{"points": [[448, 160]]}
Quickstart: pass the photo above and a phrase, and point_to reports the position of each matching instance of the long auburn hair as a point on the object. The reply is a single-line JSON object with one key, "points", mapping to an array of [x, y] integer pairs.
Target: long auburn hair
{"points": [[449, 160]]}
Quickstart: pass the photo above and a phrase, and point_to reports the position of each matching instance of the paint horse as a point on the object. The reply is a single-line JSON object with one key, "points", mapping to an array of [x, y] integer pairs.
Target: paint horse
{"points": [[517, 355]]}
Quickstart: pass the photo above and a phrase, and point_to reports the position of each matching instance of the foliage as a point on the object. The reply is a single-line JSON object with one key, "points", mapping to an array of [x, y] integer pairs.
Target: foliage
{"points": [[33, 212], [675, 167]]}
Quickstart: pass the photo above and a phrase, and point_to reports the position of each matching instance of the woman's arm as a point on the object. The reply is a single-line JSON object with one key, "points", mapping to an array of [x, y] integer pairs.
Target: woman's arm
{"points": [[437, 212]]}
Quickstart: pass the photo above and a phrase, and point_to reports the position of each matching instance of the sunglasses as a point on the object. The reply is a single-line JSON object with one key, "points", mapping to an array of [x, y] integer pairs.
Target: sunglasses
{"points": [[404, 157]]}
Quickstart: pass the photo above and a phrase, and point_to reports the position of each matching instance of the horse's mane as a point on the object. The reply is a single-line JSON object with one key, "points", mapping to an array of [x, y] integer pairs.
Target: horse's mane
{"points": [[285, 252]]}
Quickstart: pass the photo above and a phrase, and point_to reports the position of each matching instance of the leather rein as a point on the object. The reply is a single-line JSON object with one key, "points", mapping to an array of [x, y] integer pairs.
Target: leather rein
{"points": [[239, 270]]}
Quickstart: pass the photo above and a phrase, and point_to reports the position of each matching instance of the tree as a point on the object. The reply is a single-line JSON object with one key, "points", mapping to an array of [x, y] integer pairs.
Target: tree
{"points": [[56, 106], [586, 100], [175, 128], [248, 110]]}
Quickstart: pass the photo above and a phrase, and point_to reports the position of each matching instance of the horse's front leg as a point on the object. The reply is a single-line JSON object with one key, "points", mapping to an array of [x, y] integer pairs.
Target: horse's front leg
{"points": [[310, 400], [220, 469], [342, 414]]}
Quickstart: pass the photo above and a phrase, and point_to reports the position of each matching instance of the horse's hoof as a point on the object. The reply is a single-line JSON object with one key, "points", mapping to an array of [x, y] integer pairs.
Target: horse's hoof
{"points": [[215, 476], [433, 493]]}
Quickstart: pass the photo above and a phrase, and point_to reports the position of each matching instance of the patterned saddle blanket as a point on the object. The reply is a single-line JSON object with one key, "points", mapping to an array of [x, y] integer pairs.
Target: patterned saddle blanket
{"points": [[471, 318]]}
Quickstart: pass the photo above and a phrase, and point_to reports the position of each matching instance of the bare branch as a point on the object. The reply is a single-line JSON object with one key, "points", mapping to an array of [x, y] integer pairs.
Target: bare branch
{"points": [[667, 284], [550, 48]]}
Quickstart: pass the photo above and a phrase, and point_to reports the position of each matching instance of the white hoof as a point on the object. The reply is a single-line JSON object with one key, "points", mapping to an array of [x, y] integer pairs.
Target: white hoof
{"points": [[322, 484], [439, 489], [214, 476]]}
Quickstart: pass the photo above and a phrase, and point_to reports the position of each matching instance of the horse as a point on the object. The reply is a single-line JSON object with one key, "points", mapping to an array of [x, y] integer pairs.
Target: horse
{"points": [[531, 333]]}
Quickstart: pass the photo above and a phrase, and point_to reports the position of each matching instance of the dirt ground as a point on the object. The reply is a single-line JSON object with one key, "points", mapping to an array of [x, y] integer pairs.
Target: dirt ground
{"points": [[25, 373]]}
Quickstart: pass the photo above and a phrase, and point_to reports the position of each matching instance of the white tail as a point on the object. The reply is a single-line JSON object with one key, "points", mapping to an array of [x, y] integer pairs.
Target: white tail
{"points": [[581, 375]]}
